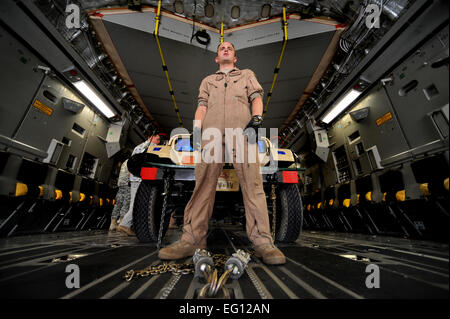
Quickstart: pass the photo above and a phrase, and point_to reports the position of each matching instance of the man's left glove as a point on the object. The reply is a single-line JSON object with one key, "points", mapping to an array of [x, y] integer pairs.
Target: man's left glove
{"points": [[254, 124]]}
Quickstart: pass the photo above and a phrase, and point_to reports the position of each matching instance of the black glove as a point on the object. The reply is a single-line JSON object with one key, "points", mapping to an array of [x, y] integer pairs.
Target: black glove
{"points": [[254, 124], [197, 142]]}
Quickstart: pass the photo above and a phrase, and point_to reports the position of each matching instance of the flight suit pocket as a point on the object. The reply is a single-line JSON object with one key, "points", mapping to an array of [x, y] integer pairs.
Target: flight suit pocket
{"points": [[213, 94]]}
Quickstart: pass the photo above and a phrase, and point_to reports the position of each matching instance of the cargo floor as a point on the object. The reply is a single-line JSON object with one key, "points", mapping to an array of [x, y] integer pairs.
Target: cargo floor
{"points": [[320, 265]]}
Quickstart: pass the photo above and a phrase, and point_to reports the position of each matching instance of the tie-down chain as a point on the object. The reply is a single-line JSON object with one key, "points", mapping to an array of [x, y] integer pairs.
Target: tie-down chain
{"points": [[205, 266]]}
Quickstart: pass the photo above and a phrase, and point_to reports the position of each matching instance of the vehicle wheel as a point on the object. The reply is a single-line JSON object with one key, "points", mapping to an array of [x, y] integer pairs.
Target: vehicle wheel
{"points": [[147, 213], [289, 213]]}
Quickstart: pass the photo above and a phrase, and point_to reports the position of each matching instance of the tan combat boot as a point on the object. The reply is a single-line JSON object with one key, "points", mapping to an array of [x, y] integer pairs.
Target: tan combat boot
{"points": [[270, 254], [113, 225], [125, 230], [177, 250]]}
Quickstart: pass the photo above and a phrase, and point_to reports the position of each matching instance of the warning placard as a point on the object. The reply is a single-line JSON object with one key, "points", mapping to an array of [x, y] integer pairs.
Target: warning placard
{"points": [[386, 117], [43, 108]]}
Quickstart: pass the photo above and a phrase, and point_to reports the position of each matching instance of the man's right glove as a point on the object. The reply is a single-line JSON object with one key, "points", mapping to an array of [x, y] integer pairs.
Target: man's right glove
{"points": [[254, 124], [196, 139]]}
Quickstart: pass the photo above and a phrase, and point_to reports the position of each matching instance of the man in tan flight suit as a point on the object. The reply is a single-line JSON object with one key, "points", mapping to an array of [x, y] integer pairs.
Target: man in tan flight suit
{"points": [[230, 98]]}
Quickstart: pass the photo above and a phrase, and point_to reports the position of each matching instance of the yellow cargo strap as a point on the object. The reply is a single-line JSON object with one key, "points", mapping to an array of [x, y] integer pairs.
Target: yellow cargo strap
{"points": [[319, 205], [21, 189], [91, 200], [369, 196], [424, 189], [82, 197], [221, 33], [308, 207], [70, 197], [164, 66], [446, 183], [58, 194], [357, 198], [400, 196], [114, 202], [331, 202], [277, 69], [384, 197], [101, 201], [346, 202], [41, 191]]}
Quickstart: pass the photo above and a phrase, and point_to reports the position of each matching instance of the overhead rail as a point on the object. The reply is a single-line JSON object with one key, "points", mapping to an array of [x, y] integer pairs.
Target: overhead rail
{"points": [[280, 59], [164, 65]]}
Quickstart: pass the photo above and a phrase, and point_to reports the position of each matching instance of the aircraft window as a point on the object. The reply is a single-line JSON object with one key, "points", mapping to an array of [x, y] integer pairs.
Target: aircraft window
{"points": [[235, 12], [265, 11], [50, 96], [209, 10]]}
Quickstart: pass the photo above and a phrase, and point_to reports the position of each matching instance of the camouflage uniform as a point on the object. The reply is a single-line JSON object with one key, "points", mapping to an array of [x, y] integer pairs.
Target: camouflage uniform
{"points": [[123, 195]]}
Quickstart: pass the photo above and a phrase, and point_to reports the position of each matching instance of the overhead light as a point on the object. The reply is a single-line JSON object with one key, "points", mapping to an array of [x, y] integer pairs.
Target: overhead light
{"points": [[340, 106], [90, 94]]}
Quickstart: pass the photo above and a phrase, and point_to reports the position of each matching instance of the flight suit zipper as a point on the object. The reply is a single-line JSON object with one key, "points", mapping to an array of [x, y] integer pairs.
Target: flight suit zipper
{"points": [[224, 106]]}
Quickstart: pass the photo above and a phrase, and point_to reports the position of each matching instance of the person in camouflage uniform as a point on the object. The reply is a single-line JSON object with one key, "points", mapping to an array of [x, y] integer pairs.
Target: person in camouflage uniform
{"points": [[122, 198]]}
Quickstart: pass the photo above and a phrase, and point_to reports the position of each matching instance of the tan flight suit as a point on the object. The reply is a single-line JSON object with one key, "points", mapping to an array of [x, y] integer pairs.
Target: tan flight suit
{"points": [[228, 99]]}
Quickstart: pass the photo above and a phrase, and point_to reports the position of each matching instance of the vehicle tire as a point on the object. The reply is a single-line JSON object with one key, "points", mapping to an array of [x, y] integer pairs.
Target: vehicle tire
{"points": [[289, 213], [147, 212]]}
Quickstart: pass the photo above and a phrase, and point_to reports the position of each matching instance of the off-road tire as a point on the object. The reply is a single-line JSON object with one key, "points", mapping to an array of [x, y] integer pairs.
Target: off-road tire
{"points": [[289, 213], [147, 212]]}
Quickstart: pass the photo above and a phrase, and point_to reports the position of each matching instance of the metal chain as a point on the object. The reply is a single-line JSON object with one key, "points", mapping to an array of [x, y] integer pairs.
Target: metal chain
{"points": [[176, 269], [274, 210], [167, 180]]}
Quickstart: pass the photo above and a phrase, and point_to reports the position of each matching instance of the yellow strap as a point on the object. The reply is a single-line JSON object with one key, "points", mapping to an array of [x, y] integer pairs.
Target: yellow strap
{"points": [[346, 202], [58, 194], [446, 183], [101, 201], [221, 33], [400, 196], [82, 197], [384, 197], [41, 191], [158, 18], [357, 198], [369, 196], [70, 197], [424, 189], [319, 205], [92, 200], [285, 39], [308, 207], [21, 189], [331, 202], [114, 202]]}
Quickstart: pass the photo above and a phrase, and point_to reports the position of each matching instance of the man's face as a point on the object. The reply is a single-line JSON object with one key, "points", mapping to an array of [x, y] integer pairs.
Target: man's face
{"points": [[226, 53], [155, 139]]}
